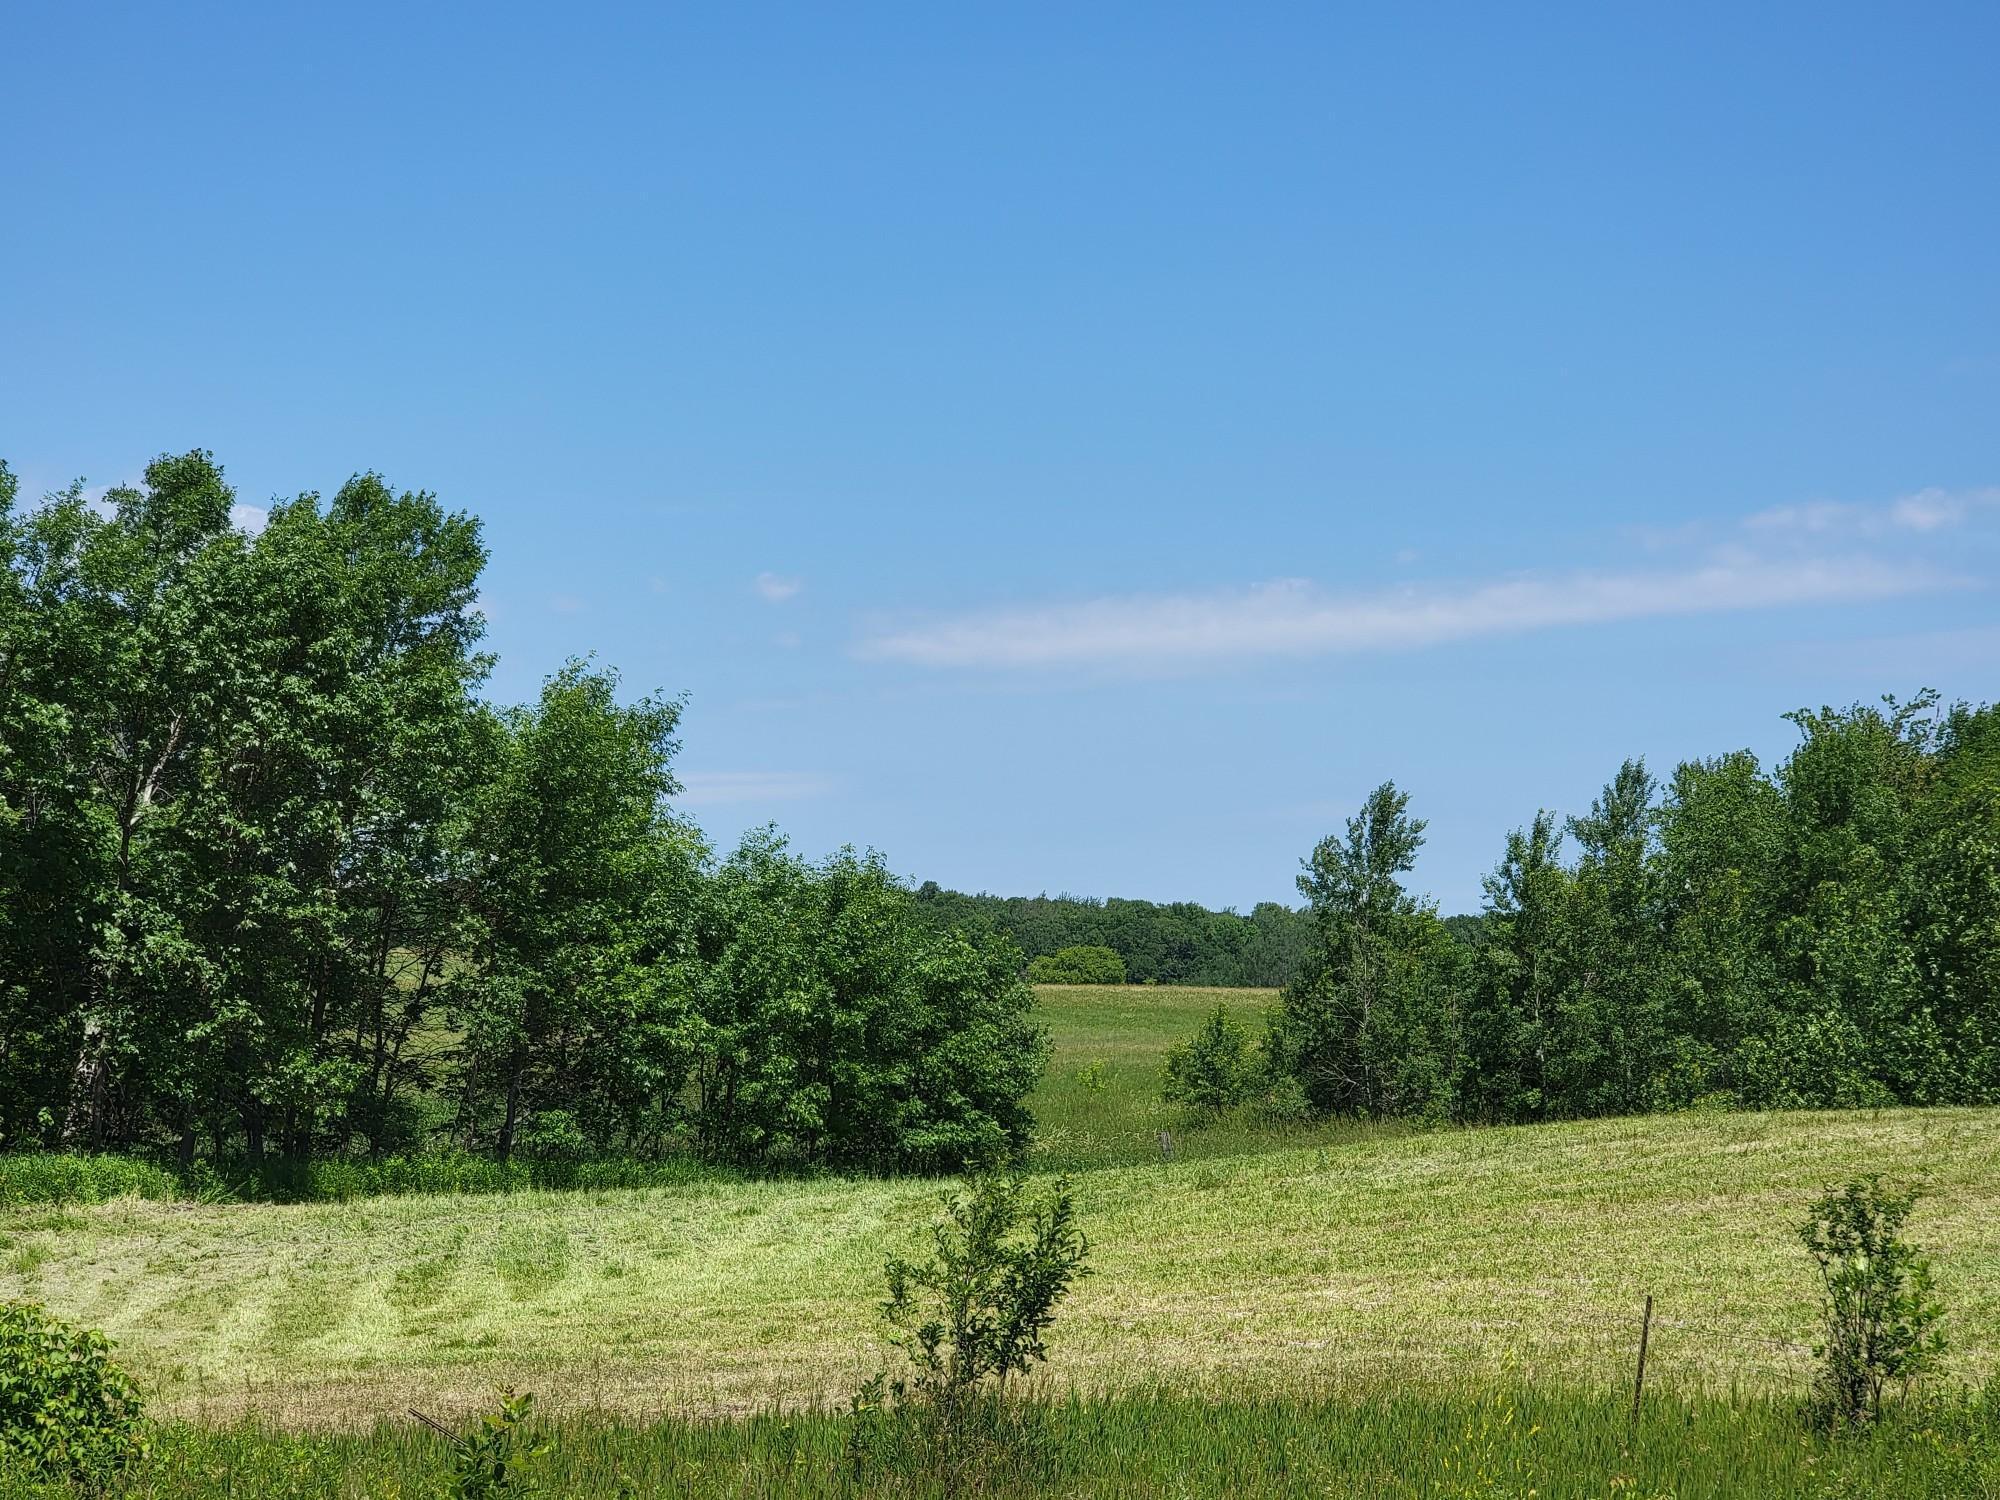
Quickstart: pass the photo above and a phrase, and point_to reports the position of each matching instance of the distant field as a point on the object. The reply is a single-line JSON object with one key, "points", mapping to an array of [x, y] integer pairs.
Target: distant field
{"points": [[1427, 1259], [1100, 1104]]}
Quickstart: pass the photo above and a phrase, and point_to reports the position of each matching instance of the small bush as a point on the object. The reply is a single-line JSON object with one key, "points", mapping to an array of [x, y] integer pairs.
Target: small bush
{"points": [[977, 1311], [66, 1410], [1080, 965], [1879, 1317], [1214, 1069]]}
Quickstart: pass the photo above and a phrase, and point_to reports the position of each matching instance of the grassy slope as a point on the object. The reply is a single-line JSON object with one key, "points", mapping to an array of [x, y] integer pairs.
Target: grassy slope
{"points": [[1352, 1261]]}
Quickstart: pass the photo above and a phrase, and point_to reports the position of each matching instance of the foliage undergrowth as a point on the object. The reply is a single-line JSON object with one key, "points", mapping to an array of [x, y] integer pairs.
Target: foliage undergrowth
{"points": [[976, 1312], [66, 1409], [1213, 1070], [1554, 1444]]}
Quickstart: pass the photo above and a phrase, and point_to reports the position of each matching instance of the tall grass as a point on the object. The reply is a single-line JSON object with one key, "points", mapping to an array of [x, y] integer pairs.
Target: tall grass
{"points": [[1495, 1442], [51, 1177], [57, 1178]]}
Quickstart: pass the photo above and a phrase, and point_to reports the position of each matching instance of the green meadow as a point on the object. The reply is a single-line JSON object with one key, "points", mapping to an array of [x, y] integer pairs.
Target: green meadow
{"points": [[1251, 1277], [1099, 1103], [1253, 1260]]}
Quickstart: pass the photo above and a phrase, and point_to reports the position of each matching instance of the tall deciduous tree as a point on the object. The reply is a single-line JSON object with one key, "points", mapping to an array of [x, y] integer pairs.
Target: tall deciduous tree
{"points": [[1372, 1024], [843, 1025], [569, 846]]}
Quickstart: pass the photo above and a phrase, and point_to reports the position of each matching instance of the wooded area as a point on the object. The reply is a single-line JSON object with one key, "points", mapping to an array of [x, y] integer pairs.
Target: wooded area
{"points": [[275, 879], [1177, 942], [279, 881], [1826, 933]]}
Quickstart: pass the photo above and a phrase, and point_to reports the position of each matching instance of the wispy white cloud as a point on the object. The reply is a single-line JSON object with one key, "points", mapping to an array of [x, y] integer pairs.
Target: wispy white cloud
{"points": [[1922, 511], [1931, 510], [721, 788], [1811, 518], [776, 589], [1292, 617], [250, 518], [1792, 555]]}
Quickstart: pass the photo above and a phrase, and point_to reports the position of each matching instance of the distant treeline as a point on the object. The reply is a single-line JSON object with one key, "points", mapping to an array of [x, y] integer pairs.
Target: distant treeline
{"points": [[1825, 933], [275, 881], [1175, 943]]}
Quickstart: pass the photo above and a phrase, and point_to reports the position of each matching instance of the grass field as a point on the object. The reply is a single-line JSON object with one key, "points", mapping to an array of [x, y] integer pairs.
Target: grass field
{"points": [[1100, 1105], [1259, 1264], [1275, 1311]]}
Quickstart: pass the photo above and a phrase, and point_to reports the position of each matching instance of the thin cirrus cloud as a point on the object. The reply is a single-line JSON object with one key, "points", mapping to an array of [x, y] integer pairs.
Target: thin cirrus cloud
{"points": [[734, 788], [1296, 618], [1920, 512], [774, 588]]}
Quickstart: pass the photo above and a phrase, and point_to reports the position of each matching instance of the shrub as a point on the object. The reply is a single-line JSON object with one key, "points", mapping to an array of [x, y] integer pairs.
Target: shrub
{"points": [[66, 1410], [1079, 965], [1879, 1317], [978, 1309], [489, 1459], [1214, 1069]]}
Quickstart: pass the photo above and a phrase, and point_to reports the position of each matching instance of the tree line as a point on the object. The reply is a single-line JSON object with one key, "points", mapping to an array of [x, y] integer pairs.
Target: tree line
{"points": [[276, 879], [1176, 942], [1824, 933]]}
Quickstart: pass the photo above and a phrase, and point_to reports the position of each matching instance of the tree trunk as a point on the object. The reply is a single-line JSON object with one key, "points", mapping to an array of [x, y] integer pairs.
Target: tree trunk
{"points": [[83, 1122], [253, 1130], [506, 1142]]}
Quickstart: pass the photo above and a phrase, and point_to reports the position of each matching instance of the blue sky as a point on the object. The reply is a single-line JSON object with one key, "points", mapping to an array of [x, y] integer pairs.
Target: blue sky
{"points": [[1076, 447]]}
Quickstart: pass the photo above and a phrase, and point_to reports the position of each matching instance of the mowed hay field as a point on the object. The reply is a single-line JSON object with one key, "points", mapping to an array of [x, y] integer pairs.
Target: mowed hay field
{"points": [[1247, 1264]]}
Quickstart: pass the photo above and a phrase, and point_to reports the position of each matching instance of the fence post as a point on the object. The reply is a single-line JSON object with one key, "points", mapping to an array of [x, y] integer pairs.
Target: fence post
{"points": [[1639, 1379]]}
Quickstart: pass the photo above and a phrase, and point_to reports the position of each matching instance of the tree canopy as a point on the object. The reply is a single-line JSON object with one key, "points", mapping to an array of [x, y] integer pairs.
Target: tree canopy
{"points": [[275, 878], [1823, 934]]}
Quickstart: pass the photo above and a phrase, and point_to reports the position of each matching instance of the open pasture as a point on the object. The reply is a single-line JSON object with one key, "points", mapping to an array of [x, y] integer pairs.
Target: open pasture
{"points": [[1427, 1259]]}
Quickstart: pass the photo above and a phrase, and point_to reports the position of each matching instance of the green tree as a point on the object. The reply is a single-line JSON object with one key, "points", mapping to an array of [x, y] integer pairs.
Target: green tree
{"points": [[1721, 847], [840, 1024], [1513, 1024], [344, 754], [1878, 1313], [979, 1309], [575, 991], [1214, 1069], [1372, 1025], [1615, 1053]]}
